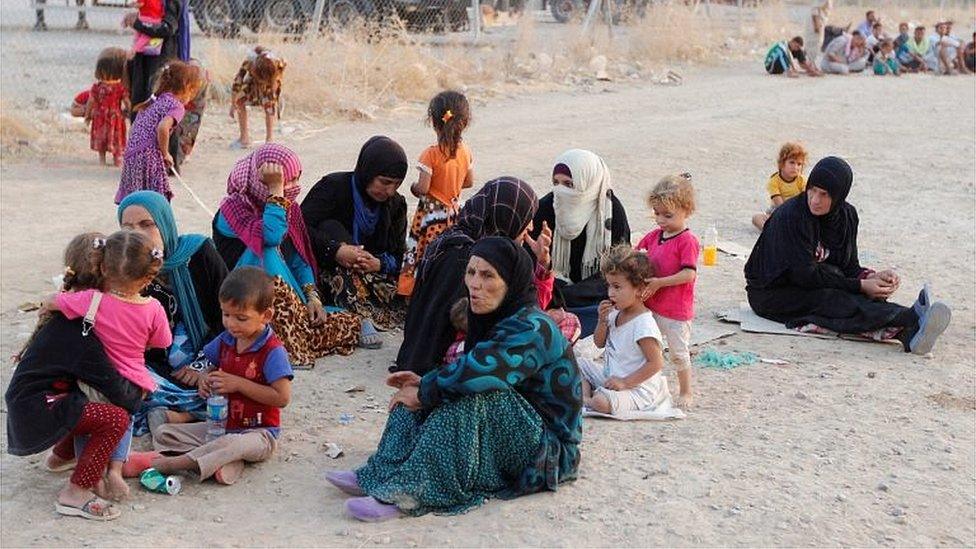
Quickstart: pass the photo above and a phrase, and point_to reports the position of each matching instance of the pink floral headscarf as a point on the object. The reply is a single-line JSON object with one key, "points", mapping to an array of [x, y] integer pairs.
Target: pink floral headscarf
{"points": [[243, 207]]}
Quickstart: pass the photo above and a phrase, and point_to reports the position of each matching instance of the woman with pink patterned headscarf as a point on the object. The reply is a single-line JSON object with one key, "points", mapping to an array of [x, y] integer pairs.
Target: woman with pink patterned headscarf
{"points": [[261, 224]]}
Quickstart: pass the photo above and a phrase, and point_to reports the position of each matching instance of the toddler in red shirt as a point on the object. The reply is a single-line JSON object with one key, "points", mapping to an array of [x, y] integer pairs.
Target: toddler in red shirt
{"points": [[673, 252]]}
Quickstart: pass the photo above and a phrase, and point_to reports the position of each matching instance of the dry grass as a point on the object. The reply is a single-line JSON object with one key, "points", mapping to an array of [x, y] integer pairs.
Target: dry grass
{"points": [[17, 134], [362, 72]]}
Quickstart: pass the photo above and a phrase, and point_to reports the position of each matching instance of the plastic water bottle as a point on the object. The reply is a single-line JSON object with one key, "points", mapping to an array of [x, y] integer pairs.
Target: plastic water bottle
{"points": [[710, 251], [216, 417]]}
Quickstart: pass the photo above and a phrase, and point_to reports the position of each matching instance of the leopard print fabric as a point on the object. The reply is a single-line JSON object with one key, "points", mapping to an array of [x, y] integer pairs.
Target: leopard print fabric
{"points": [[305, 343]]}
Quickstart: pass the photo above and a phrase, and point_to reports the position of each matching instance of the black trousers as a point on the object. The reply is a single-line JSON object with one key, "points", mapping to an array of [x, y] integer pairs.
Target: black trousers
{"points": [[837, 310]]}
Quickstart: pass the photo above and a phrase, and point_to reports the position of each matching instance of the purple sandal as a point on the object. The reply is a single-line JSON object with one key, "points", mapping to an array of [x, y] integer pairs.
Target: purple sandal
{"points": [[345, 481], [370, 509]]}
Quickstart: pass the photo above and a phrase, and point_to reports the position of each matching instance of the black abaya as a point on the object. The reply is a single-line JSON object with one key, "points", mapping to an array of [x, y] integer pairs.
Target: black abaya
{"points": [[804, 268]]}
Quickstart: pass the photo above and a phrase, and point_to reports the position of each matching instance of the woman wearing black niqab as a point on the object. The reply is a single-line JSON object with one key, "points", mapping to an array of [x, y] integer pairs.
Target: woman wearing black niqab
{"points": [[804, 269], [357, 224]]}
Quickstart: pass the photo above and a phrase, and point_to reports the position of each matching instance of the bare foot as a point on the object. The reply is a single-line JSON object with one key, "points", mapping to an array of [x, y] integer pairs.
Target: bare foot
{"points": [[55, 464], [101, 490], [174, 464], [116, 486], [684, 401], [74, 495]]}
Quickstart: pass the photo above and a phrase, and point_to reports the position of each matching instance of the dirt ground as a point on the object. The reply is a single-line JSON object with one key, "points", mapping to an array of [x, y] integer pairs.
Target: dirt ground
{"points": [[850, 443]]}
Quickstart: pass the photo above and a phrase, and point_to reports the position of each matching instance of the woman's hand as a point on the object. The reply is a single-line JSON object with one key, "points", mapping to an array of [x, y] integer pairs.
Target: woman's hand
{"points": [[877, 289], [348, 255], [168, 160], [316, 314], [188, 377], [406, 396], [367, 263], [203, 386], [542, 245], [403, 379], [273, 177], [889, 277]]}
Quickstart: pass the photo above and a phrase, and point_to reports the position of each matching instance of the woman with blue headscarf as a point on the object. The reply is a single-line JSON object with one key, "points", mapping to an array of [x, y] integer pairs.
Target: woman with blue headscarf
{"points": [[357, 224], [187, 287]]}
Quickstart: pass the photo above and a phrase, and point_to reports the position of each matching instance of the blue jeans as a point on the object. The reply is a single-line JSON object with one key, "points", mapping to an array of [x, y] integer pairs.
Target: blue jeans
{"points": [[121, 452]]}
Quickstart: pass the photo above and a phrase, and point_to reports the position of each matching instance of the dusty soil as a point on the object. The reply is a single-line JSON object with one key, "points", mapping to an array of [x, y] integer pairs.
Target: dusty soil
{"points": [[849, 444]]}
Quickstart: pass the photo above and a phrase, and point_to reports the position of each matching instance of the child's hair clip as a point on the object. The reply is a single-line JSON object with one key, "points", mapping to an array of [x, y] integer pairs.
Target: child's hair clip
{"points": [[157, 253], [68, 271], [98, 243], [448, 115], [686, 175]]}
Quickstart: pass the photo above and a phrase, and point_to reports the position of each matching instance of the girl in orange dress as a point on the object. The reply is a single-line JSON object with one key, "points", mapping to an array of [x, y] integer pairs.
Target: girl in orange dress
{"points": [[445, 169]]}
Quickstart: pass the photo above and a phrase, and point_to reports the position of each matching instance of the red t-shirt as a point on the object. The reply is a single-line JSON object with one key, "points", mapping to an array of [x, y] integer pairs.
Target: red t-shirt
{"points": [[668, 256]]}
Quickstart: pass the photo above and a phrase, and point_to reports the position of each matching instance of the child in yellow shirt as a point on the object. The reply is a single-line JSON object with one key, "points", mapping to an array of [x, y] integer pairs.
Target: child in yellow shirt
{"points": [[786, 182]]}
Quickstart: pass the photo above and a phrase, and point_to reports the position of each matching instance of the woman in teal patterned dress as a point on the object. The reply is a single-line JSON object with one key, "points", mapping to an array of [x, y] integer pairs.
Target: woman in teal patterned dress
{"points": [[501, 421]]}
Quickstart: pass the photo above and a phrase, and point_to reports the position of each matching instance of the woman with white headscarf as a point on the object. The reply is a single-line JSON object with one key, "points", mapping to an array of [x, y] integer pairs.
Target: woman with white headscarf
{"points": [[586, 219]]}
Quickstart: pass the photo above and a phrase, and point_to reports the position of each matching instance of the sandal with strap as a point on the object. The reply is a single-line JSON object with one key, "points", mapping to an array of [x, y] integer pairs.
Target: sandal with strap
{"points": [[94, 509], [369, 336]]}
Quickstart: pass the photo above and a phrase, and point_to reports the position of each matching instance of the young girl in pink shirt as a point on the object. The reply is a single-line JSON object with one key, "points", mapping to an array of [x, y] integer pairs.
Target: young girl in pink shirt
{"points": [[673, 252], [124, 321]]}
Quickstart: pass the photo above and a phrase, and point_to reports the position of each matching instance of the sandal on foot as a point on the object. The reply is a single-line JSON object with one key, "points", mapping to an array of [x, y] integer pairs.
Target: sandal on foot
{"points": [[930, 327], [370, 509], [94, 509], [369, 337], [345, 481], [924, 300]]}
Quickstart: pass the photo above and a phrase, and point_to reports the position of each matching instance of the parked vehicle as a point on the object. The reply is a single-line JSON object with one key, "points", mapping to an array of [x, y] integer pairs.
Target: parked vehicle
{"points": [[227, 17]]}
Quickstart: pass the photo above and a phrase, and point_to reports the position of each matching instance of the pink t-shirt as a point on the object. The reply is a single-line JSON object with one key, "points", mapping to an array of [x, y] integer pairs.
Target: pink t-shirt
{"points": [[125, 329], [668, 256]]}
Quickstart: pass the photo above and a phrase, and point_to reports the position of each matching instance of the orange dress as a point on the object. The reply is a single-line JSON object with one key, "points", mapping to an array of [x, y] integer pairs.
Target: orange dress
{"points": [[436, 211]]}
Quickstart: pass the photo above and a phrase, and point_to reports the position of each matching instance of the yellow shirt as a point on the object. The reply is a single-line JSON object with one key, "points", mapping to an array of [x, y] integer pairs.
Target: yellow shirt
{"points": [[786, 189]]}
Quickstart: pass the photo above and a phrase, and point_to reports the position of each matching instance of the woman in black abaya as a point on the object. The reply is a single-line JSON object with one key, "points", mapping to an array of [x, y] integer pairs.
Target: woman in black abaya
{"points": [[804, 270]]}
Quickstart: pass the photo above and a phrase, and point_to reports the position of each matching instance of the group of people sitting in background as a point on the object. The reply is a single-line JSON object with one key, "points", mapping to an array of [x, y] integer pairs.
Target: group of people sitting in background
{"points": [[827, 49]]}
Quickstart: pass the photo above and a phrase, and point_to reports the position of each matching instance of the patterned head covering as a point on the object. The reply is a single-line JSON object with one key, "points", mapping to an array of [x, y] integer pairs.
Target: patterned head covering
{"points": [[503, 207], [243, 207]]}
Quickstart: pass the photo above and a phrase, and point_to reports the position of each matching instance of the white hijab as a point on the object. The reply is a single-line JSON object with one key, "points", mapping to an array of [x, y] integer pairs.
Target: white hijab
{"points": [[586, 206]]}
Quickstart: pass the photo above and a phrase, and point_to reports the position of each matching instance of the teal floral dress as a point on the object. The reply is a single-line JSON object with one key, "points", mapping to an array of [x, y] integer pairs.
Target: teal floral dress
{"points": [[502, 421]]}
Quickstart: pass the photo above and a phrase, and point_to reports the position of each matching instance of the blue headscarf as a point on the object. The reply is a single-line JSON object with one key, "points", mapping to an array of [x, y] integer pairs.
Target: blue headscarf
{"points": [[178, 250], [364, 217]]}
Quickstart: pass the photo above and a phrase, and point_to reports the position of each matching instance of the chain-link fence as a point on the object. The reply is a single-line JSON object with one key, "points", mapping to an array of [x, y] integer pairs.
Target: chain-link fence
{"points": [[332, 70]]}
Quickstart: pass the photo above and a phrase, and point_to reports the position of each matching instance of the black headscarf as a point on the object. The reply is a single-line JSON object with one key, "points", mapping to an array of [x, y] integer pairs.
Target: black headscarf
{"points": [[795, 239], [503, 207], [514, 266], [380, 156]]}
